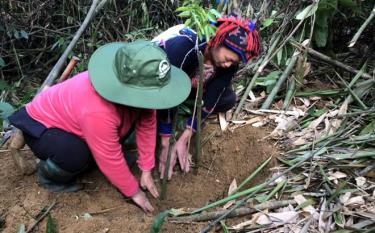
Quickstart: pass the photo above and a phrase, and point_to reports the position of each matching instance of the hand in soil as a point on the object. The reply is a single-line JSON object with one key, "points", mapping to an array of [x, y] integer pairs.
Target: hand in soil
{"points": [[181, 151], [147, 182], [142, 201]]}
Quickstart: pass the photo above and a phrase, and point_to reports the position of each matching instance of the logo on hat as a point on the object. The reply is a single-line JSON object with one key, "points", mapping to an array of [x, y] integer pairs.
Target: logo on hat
{"points": [[164, 67]]}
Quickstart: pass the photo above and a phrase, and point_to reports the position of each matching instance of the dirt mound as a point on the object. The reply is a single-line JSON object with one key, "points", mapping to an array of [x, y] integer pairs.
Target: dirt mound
{"points": [[225, 156]]}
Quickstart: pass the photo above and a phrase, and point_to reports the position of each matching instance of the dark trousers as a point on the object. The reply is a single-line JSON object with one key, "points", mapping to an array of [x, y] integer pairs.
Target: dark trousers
{"points": [[66, 150]]}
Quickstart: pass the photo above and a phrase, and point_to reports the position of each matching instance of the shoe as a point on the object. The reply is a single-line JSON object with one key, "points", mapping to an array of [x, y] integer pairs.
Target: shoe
{"points": [[55, 179], [17, 142]]}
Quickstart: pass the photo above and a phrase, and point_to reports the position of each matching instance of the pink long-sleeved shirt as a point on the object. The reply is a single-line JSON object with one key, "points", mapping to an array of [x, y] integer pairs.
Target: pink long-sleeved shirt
{"points": [[75, 107]]}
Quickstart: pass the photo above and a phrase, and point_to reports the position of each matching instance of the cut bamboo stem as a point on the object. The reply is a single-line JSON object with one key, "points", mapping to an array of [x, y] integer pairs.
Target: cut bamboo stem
{"points": [[199, 114], [280, 81], [238, 212], [166, 169]]}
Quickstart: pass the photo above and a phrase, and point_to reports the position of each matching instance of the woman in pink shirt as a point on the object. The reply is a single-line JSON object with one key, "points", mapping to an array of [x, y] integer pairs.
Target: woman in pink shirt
{"points": [[89, 115]]}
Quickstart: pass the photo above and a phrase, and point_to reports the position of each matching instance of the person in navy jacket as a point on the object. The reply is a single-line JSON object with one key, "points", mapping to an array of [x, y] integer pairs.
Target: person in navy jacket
{"points": [[235, 40]]}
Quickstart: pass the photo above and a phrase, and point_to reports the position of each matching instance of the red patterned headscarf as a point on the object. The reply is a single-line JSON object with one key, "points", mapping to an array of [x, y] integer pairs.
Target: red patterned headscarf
{"points": [[239, 35]]}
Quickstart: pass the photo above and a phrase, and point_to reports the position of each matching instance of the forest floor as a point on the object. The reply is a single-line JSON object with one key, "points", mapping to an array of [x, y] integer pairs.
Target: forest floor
{"points": [[226, 156]]}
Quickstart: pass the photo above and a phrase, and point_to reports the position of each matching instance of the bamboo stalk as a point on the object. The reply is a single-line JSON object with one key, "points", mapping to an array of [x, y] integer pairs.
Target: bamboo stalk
{"points": [[166, 169], [94, 8], [252, 175], [354, 95], [329, 60], [289, 36], [275, 190], [238, 212], [229, 198], [362, 28], [267, 103], [199, 114], [290, 93], [253, 80]]}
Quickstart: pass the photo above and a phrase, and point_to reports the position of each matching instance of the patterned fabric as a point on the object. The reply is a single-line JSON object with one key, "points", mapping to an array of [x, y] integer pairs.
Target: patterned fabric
{"points": [[208, 74], [238, 34]]}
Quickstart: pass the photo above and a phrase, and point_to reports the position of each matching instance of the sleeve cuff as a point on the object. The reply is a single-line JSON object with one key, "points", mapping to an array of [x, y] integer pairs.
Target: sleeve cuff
{"points": [[130, 191], [165, 129]]}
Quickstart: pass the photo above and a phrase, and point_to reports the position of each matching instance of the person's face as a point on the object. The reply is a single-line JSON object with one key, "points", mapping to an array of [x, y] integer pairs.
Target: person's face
{"points": [[223, 57]]}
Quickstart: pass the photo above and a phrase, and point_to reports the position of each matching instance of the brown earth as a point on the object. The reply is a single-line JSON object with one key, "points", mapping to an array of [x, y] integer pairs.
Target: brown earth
{"points": [[225, 156]]}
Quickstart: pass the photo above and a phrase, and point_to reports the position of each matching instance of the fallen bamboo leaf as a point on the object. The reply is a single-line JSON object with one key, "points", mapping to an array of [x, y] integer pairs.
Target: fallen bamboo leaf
{"points": [[232, 188], [306, 102], [309, 208], [322, 223], [259, 124], [242, 225], [336, 175], [345, 197], [247, 122], [283, 124], [360, 181], [355, 201], [314, 124], [277, 219], [252, 96], [339, 218]]}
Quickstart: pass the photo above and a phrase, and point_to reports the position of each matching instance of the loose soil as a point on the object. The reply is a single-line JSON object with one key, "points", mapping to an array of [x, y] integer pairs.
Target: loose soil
{"points": [[225, 156]]}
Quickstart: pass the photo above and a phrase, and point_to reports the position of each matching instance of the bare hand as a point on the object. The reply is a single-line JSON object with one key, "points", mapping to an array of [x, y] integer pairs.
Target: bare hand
{"points": [[141, 200], [147, 182], [181, 151]]}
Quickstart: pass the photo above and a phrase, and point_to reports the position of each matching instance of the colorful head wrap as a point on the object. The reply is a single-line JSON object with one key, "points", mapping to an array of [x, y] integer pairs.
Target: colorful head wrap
{"points": [[239, 35]]}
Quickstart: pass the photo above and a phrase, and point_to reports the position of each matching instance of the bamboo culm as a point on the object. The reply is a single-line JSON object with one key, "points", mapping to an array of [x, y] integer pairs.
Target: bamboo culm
{"points": [[238, 212], [253, 80], [280, 81], [94, 8], [166, 170], [199, 114]]}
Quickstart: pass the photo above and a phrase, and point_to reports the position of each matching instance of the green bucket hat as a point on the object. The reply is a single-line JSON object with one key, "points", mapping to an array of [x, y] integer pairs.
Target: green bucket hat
{"points": [[137, 74]]}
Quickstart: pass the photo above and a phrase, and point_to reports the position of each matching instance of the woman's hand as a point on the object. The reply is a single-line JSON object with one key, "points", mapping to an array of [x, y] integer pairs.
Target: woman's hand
{"points": [[147, 182], [142, 201], [180, 151]]}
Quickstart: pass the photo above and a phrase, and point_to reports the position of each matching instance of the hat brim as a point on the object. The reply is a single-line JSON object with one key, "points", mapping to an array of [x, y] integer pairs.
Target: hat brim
{"points": [[105, 82]]}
